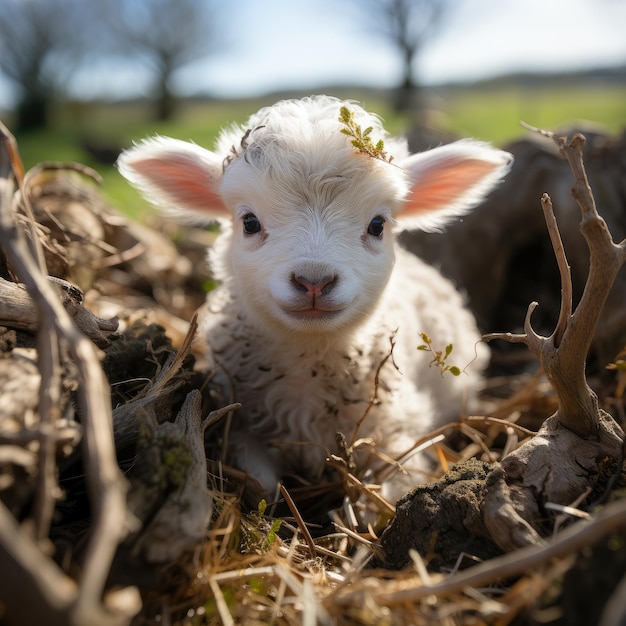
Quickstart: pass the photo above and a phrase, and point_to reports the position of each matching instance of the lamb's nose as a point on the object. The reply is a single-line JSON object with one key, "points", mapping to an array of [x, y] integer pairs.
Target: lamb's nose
{"points": [[314, 288]]}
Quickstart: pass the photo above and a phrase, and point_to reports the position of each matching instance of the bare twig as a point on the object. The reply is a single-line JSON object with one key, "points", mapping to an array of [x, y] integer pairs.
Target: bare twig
{"points": [[173, 366], [48, 353], [374, 400], [13, 164], [578, 408], [299, 520], [500, 422], [564, 270]]}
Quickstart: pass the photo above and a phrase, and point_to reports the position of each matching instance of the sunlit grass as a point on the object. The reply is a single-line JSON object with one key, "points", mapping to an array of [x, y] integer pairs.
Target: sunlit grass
{"points": [[495, 114]]}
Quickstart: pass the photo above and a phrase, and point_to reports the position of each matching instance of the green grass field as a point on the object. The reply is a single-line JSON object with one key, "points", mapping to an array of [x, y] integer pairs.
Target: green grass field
{"points": [[489, 113]]}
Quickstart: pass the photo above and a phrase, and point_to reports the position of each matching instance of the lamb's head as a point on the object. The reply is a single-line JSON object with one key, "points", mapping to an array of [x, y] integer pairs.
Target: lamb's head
{"points": [[308, 216]]}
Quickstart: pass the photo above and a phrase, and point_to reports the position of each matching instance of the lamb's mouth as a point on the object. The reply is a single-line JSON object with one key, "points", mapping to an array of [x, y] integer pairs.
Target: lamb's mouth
{"points": [[313, 313]]}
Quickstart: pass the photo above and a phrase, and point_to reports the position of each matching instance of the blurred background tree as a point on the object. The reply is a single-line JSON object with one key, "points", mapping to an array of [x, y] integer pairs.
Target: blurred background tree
{"points": [[164, 36], [39, 45], [45, 43], [408, 25]]}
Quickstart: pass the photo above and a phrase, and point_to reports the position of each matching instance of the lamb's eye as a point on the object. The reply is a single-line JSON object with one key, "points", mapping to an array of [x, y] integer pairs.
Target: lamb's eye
{"points": [[251, 224], [376, 226]]}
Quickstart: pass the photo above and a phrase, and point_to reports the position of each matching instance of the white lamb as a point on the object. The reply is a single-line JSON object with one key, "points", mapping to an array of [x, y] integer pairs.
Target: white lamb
{"points": [[313, 286]]}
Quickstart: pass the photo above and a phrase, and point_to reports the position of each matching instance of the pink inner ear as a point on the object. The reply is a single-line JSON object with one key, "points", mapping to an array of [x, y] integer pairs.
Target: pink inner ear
{"points": [[444, 183], [187, 185]]}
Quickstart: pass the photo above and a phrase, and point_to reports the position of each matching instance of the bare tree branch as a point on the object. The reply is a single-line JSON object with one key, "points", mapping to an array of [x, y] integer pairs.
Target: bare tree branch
{"points": [[578, 408], [408, 25], [38, 42], [164, 35], [564, 353], [564, 270]]}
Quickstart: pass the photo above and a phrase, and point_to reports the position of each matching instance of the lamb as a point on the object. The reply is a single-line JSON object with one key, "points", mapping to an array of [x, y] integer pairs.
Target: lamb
{"points": [[314, 290]]}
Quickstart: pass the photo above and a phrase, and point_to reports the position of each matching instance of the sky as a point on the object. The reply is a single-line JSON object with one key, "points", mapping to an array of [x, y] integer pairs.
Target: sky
{"points": [[270, 45], [291, 43]]}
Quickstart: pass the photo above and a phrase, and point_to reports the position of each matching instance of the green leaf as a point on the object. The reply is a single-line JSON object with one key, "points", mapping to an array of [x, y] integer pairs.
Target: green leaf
{"points": [[271, 535], [345, 114], [361, 139], [209, 285], [454, 370], [449, 348]]}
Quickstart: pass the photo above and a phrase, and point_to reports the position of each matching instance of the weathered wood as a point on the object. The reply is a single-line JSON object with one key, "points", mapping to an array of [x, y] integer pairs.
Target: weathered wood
{"points": [[169, 484], [17, 310], [580, 434]]}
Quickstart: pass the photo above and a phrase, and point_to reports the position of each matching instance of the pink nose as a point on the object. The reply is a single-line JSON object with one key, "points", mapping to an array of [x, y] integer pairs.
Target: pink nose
{"points": [[314, 289]]}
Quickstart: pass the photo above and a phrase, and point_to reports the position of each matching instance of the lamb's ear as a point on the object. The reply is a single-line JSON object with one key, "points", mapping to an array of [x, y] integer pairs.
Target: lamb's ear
{"points": [[180, 177], [448, 181]]}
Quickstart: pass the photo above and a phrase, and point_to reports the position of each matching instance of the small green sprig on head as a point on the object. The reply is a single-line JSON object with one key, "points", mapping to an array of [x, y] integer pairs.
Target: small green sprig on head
{"points": [[361, 139]]}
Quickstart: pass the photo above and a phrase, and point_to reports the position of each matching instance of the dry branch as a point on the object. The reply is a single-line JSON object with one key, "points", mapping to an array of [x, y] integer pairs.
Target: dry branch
{"points": [[580, 433], [563, 355], [17, 310], [106, 484]]}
